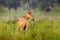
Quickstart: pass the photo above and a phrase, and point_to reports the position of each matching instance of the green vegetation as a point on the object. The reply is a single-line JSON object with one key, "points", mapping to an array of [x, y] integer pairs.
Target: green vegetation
{"points": [[39, 30], [42, 29]]}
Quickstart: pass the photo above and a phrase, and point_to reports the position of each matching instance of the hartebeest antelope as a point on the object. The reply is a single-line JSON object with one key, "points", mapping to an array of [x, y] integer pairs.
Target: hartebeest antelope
{"points": [[23, 21]]}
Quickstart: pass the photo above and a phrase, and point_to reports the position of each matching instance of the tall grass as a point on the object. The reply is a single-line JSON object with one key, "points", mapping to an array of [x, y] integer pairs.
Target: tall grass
{"points": [[39, 30]]}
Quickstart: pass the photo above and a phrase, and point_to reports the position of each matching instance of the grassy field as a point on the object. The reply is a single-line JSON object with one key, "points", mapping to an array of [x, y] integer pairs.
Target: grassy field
{"points": [[41, 29]]}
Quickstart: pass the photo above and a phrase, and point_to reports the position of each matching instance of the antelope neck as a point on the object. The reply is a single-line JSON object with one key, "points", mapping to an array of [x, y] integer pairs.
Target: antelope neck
{"points": [[26, 17]]}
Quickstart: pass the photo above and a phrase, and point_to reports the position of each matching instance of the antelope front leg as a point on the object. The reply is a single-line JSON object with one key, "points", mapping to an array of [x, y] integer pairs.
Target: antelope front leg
{"points": [[26, 26]]}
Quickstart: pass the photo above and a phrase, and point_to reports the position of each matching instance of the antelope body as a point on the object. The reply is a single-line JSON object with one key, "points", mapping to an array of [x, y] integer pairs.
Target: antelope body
{"points": [[23, 21]]}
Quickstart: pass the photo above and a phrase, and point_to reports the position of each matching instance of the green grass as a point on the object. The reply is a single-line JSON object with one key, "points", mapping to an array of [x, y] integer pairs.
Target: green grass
{"points": [[41, 29]]}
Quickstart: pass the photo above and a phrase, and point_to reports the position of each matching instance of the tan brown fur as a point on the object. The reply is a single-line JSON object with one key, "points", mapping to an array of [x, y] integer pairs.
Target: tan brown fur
{"points": [[23, 21]]}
